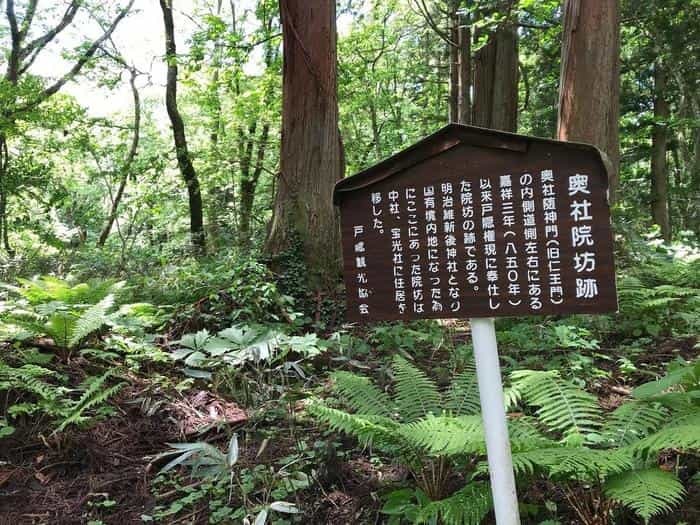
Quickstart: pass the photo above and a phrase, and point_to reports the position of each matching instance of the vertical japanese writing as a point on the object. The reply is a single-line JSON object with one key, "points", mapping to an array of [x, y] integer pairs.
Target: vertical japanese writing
{"points": [[488, 228], [469, 233], [450, 241], [509, 235], [582, 237], [532, 260], [432, 249], [551, 234], [377, 222], [414, 247], [361, 268]]}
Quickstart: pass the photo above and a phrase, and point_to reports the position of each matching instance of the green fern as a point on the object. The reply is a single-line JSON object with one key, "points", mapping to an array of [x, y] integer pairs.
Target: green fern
{"points": [[577, 463], [467, 506], [360, 394], [91, 320], [95, 394], [647, 492], [446, 435], [416, 394], [632, 421], [463, 396], [684, 437], [369, 430], [562, 406]]}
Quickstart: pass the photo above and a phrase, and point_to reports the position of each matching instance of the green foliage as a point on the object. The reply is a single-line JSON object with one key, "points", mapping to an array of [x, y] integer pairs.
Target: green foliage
{"points": [[620, 448], [66, 313], [416, 395], [41, 393], [203, 459], [648, 492], [243, 344], [562, 406], [467, 506], [660, 297]]}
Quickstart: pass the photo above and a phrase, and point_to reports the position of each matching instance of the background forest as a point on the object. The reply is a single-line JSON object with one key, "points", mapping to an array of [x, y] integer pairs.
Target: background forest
{"points": [[172, 343]]}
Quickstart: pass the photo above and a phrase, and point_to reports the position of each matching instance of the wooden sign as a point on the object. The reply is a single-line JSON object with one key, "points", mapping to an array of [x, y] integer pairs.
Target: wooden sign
{"points": [[472, 222]]}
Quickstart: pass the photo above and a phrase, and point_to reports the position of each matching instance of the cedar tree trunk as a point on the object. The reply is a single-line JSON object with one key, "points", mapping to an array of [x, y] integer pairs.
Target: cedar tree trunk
{"points": [[659, 139], [311, 158], [589, 89], [496, 81]]}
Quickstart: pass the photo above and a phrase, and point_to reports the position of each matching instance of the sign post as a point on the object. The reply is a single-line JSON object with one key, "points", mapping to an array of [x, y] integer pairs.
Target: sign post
{"points": [[472, 223], [493, 413]]}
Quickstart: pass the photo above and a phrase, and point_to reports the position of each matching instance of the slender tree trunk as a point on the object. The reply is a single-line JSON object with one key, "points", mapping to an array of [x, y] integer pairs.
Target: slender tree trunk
{"points": [[496, 81], [311, 158], [659, 140], [465, 71], [589, 89], [183, 157], [454, 61], [4, 165], [126, 168]]}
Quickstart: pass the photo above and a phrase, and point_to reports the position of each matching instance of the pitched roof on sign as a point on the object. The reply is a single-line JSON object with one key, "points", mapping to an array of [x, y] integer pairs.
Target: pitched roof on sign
{"points": [[445, 139]]}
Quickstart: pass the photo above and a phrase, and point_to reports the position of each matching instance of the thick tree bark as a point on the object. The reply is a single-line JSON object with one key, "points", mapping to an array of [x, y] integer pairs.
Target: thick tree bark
{"points": [[183, 156], [589, 89], [465, 71], [496, 81], [311, 157], [659, 140], [126, 167]]}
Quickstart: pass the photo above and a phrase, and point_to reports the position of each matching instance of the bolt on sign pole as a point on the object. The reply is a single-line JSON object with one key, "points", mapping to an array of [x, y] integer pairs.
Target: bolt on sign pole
{"points": [[471, 223], [488, 371]]}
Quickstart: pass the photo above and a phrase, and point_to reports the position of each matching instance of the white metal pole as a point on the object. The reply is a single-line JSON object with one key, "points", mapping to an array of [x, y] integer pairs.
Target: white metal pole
{"points": [[493, 413]]}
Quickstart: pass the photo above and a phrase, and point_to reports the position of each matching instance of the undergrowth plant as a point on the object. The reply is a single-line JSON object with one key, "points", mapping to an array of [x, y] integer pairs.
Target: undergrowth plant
{"points": [[436, 434], [604, 462], [600, 462], [49, 307]]}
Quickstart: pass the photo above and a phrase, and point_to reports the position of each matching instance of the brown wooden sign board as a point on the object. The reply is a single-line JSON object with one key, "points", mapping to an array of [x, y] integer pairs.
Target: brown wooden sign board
{"points": [[471, 222]]}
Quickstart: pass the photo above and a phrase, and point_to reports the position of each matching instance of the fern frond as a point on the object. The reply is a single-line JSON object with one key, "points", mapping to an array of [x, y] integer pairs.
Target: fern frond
{"points": [[633, 421], [525, 435], [647, 492], [463, 395], [562, 406], [360, 394], [416, 394], [467, 506], [91, 320], [95, 394], [681, 435], [446, 435], [580, 463], [369, 430]]}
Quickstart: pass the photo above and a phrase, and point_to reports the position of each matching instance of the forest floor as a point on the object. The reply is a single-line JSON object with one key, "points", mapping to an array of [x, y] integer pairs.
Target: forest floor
{"points": [[105, 474]]}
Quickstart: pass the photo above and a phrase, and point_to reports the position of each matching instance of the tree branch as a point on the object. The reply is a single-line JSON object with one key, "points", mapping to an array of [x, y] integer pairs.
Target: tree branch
{"points": [[84, 58], [33, 48]]}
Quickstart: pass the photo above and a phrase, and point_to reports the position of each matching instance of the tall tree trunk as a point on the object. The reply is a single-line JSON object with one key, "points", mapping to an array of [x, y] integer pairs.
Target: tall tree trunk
{"points": [[496, 81], [126, 168], [311, 158], [454, 60], [249, 184], [465, 71], [589, 89], [183, 156], [659, 139]]}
